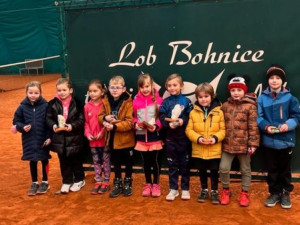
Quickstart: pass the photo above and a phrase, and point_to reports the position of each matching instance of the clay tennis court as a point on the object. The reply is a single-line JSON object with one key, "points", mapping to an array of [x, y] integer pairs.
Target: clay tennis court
{"points": [[83, 208]]}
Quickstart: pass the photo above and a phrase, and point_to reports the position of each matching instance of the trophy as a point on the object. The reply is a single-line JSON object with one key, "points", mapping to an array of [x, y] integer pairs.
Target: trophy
{"points": [[61, 123], [176, 111]]}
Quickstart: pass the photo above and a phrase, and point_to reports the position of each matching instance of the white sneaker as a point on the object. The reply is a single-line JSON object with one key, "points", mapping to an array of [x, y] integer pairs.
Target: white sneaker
{"points": [[65, 188], [185, 195], [77, 186], [172, 195]]}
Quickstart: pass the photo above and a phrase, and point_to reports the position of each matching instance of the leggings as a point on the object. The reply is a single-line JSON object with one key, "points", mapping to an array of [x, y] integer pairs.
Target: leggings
{"points": [[34, 173], [151, 166]]}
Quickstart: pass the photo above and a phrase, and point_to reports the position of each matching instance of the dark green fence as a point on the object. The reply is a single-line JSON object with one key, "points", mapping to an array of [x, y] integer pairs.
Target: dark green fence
{"points": [[201, 40]]}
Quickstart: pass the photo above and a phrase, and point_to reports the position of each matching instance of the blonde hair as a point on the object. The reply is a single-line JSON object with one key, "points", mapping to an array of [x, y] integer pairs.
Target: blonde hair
{"points": [[207, 88], [174, 76], [34, 84], [117, 79]]}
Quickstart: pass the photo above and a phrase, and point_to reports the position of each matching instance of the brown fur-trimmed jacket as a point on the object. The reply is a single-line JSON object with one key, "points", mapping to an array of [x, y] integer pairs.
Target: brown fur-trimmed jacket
{"points": [[240, 124]]}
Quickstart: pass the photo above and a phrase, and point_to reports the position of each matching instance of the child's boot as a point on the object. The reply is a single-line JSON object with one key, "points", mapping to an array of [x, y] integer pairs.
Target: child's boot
{"points": [[117, 189], [33, 189], [214, 195], [225, 197], [127, 189], [244, 199], [203, 195], [147, 190]]}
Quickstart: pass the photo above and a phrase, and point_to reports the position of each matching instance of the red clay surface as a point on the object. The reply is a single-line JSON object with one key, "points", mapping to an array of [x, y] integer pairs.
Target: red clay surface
{"points": [[83, 208]]}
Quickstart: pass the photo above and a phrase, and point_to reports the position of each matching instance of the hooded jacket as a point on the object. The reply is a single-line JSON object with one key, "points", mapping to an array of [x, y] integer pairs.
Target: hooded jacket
{"points": [[122, 135], [64, 142], [213, 125], [241, 126], [145, 109], [33, 141], [274, 110]]}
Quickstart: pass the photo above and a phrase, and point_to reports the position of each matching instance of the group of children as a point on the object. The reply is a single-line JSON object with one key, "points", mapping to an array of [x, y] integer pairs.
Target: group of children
{"points": [[115, 124]]}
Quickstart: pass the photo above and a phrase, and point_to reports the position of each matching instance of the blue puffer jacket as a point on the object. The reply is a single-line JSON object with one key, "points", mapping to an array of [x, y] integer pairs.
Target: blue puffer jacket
{"points": [[165, 110], [32, 141], [274, 110]]}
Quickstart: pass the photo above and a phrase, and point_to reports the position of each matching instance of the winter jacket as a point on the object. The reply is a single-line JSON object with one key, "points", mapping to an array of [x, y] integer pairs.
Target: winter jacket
{"points": [[91, 125], [145, 109], [32, 141], [168, 104], [241, 126], [274, 110], [122, 135], [64, 142], [211, 126]]}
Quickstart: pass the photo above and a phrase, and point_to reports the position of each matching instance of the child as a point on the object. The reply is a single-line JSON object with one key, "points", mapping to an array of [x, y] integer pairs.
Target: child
{"points": [[116, 116], [241, 139], [29, 119], [206, 130], [278, 117], [145, 109], [95, 134], [67, 141], [176, 109]]}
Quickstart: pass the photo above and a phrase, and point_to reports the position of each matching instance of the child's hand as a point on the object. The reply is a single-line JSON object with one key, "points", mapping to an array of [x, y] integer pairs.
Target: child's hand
{"points": [[110, 118], [68, 127], [139, 126], [251, 151], [101, 134], [27, 128], [180, 121], [284, 128], [271, 129], [173, 125], [108, 126], [152, 129], [47, 142], [54, 128], [90, 138], [212, 141]]}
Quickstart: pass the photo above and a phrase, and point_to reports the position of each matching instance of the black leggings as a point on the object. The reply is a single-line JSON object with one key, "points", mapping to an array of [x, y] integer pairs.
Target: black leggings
{"points": [[150, 160], [34, 173]]}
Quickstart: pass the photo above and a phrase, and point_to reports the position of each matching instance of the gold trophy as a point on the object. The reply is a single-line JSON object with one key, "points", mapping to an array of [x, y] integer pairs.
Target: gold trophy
{"points": [[61, 123]]}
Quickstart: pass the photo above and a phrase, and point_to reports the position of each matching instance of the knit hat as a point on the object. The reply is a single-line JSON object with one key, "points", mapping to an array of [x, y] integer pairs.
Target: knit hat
{"points": [[238, 82], [274, 70]]}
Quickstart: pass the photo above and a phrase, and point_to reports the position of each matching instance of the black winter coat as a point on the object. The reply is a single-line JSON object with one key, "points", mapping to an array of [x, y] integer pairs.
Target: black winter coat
{"points": [[33, 140], [64, 142]]}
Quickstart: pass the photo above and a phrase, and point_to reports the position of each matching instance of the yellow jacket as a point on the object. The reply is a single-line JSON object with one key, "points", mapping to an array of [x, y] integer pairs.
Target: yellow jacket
{"points": [[212, 126]]}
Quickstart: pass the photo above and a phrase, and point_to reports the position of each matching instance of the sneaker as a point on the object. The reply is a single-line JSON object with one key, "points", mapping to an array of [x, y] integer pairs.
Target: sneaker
{"points": [[172, 195], [203, 195], [225, 197], [33, 189], [77, 186], [127, 188], [285, 200], [214, 197], [156, 190], [65, 188], [117, 189], [96, 188], [147, 190], [43, 188], [185, 195], [272, 200], [244, 199], [104, 188]]}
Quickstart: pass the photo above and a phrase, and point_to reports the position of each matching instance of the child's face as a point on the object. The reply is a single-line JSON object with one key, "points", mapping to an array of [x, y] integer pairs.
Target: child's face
{"points": [[95, 93], [237, 93], [275, 82], [63, 91], [204, 99], [33, 93], [116, 89], [174, 86], [146, 89]]}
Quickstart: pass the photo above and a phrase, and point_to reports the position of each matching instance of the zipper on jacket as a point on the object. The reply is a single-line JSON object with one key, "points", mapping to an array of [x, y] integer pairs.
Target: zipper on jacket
{"points": [[281, 112], [210, 124], [146, 130]]}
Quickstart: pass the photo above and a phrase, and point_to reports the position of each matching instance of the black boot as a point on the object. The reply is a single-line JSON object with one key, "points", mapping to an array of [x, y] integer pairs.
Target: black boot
{"points": [[127, 189], [117, 189]]}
